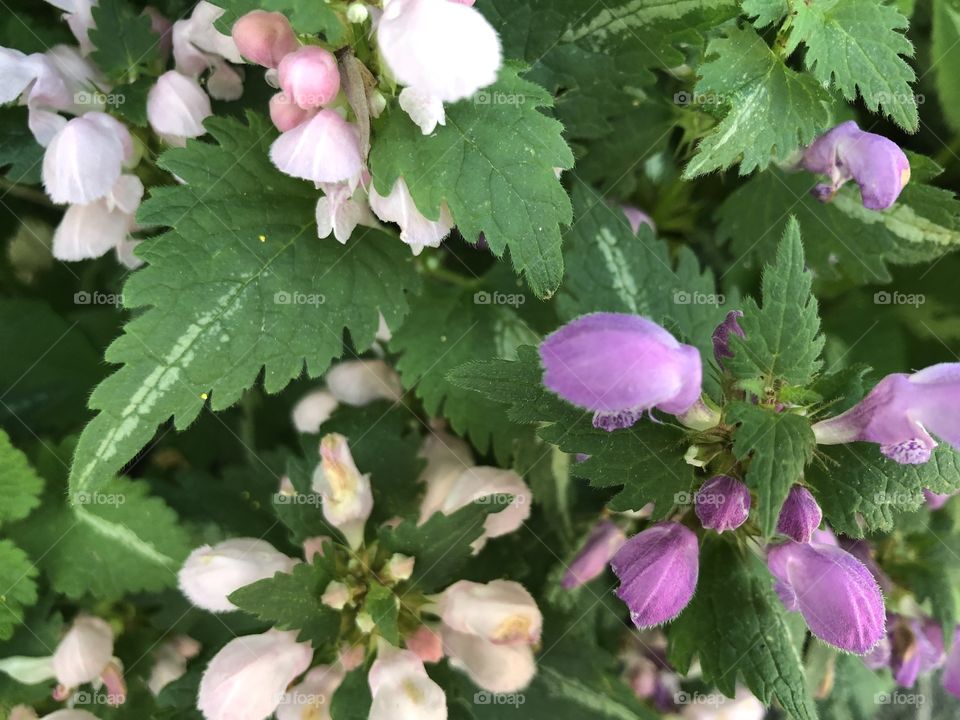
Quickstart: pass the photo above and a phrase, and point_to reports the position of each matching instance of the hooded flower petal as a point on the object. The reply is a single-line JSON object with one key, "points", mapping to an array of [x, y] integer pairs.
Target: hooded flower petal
{"points": [[494, 483], [658, 571], [360, 382], [177, 107], [426, 643], [340, 210], [500, 611], [447, 457], [313, 410], [310, 76], [91, 230], [84, 160], [246, 680], [311, 698], [347, 498], [264, 37], [916, 647], [416, 230], [722, 503], [800, 515], [835, 593], [210, 574], [619, 365], [495, 668], [84, 652], [875, 163], [401, 688], [325, 149], [15, 74], [424, 109], [444, 49], [602, 544], [721, 336]]}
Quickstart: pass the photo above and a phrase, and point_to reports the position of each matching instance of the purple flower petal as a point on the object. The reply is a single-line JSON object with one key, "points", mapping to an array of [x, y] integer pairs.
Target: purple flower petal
{"points": [[800, 515], [916, 647], [613, 362], [951, 670], [722, 503], [658, 571], [835, 593], [603, 542], [721, 336]]}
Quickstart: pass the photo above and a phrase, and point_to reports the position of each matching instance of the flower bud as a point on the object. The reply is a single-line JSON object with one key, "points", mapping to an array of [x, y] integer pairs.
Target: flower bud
{"points": [[835, 593], [495, 483], [311, 698], [177, 107], [360, 382], [264, 37], [636, 218], [416, 230], [800, 515], [347, 498], [722, 503], [721, 336], [247, 678], [325, 148], [900, 413], [620, 365], [336, 596], [602, 544], [872, 161], [495, 668], [399, 568], [401, 688], [313, 410], [84, 652], [426, 643], [500, 611], [210, 574], [658, 571], [310, 77], [951, 669], [357, 12], [286, 114], [85, 158]]}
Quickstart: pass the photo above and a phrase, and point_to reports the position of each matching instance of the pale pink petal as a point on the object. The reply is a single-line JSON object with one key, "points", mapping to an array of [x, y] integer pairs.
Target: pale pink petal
{"points": [[415, 229], [425, 110], [84, 160], [323, 149], [177, 106]]}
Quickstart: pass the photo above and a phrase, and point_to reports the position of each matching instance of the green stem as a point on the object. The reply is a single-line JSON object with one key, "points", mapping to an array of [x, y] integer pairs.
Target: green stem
{"points": [[38, 197]]}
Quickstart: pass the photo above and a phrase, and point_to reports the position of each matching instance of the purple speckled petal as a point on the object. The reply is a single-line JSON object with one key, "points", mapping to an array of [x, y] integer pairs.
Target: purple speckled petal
{"points": [[951, 669], [611, 421], [601, 545], [721, 336], [722, 503], [800, 515], [612, 362], [658, 571], [835, 593]]}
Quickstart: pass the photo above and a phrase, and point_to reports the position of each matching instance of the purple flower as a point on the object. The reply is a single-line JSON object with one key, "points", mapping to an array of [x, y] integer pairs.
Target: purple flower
{"points": [[935, 501], [722, 503], [835, 593], [951, 670], [916, 646], [800, 515], [872, 161], [637, 217], [620, 365], [721, 336], [603, 542], [658, 571], [900, 413]]}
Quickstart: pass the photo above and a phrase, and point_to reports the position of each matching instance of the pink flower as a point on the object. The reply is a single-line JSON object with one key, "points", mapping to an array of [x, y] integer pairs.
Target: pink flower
{"points": [[347, 498], [310, 76], [89, 231], [401, 688], [311, 698], [601, 545], [84, 160], [360, 382], [495, 668], [415, 229], [286, 114], [313, 410], [340, 210], [447, 457], [84, 652], [325, 149], [177, 107], [500, 611], [264, 37], [426, 643], [485, 482]]}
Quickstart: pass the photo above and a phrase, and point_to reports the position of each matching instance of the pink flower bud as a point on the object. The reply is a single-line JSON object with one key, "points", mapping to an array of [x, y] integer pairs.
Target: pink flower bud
{"points": [[495, 668], [264, 37], [415, 228], [177, 107], [602, 544], [800, 515], [210, 574], [347, 498], [85, 158], [310, 76], [246, 680], [722, 503], [360, 382], [401, 688], [84, 652], [325, 149], [426, 643], [500, 611], [496, 483], [286, 114]]}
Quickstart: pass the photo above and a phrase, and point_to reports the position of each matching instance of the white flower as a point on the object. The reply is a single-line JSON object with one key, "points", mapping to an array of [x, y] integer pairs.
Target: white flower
{"points": [[84, 160], [324, 149], [347, 498], [360, 382], [424, 109], [89, 231], [313, 410], [415, 229], [69, 715], [340, 210], [495, 668], [177, 107], [246, 680], [401, 688], [500, 611], [447, 457], [170, 661], [79, 17], [743, 706], [84, 652], [210, 574], [311, 699], [480, 482], [336, 595]]}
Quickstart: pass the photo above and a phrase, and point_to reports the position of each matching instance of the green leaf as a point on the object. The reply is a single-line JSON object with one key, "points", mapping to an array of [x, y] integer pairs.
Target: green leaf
{"points": [[123, 39], [384, 607], [492, 163], [239, 284], [855, 690], [738, 627], [291, 601], [861, 491], [352, 699], [20, 486], [783, 340], [857, 45], [17, 577], [781, 444], [765, 12], [449, 326], [20, 154], [946, 50], [773, 110]]}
